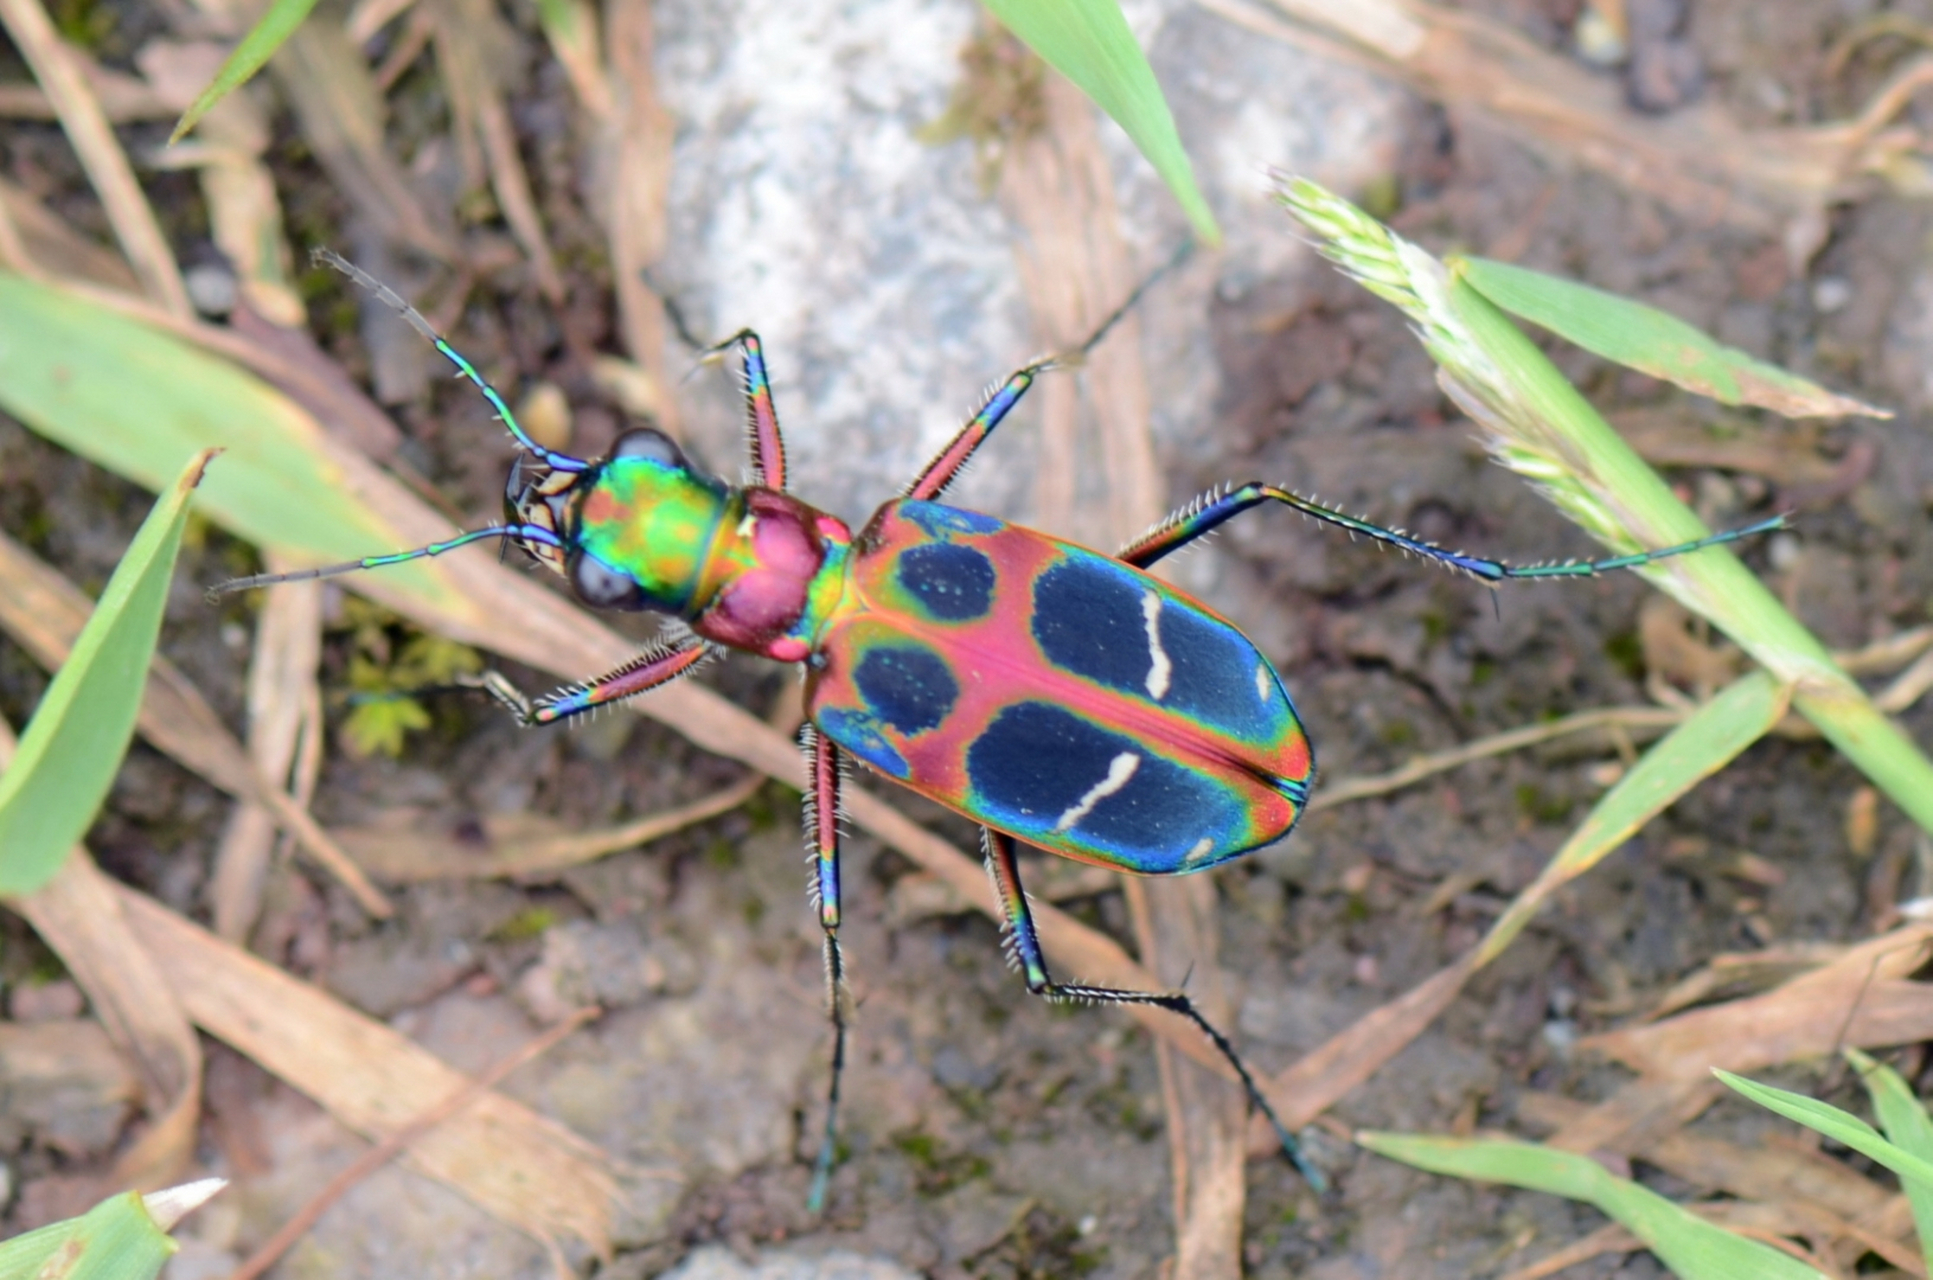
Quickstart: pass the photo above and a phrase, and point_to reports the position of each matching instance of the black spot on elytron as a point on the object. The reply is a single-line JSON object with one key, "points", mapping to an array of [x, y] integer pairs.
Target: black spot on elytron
{"points": [[1036, 761], [1212, 676], [1088, 620], [951, 582], [910, 689]]}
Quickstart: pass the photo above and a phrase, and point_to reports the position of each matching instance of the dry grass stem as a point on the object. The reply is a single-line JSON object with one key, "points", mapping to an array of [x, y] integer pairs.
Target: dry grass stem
{"points": [[244, 210], [100, 153], [45, 613], [281, 688], [56, 250], [1700, 160], [634, 136], [340, 113], [525, 1170], [470, 44], [77, 915], [523, 846], [366, 18], [390, 1147]]}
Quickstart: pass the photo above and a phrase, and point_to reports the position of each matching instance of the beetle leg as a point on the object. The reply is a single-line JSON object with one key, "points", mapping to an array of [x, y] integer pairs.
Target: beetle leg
{"points": [[947, 464], [762, 436], [825, 771], [659, 664], [1199, 518], [1023, 947]]}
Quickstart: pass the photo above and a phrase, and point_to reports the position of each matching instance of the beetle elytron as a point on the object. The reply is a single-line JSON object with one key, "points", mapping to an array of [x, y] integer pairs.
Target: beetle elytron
{"points": [[1048, 692]]}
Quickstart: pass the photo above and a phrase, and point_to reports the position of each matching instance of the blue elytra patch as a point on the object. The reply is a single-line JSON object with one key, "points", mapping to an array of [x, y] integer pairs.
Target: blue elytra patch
{"points": [[939, 520], [907, 686], [950, 582], [859, 733], [1100, 620], [1045, 773]]}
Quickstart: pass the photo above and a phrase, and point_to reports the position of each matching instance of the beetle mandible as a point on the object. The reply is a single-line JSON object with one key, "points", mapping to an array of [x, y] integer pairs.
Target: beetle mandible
{"points": [[1046, 691]]}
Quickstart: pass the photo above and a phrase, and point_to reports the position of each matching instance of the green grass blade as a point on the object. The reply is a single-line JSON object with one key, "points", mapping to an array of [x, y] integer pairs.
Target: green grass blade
{"points": [[1537, 424], [1841, 1126], [1907, 1126], [125, 1237], [256, 48], [1088, 41], [140, 402], [1652, 341], [1712, 738], [1693, 1248], [72, 748]]}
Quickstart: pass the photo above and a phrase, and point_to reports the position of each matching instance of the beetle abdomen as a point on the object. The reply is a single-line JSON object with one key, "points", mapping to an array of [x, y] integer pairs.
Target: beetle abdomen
{"points": [[1057, 694]]}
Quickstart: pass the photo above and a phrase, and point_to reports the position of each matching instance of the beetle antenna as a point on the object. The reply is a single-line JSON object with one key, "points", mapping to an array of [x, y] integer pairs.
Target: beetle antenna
{"points": [[388, 296], [525, 532]]}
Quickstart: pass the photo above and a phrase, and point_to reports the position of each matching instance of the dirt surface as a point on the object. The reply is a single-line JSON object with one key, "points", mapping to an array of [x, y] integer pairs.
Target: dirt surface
{"points": [[987, 1134]]}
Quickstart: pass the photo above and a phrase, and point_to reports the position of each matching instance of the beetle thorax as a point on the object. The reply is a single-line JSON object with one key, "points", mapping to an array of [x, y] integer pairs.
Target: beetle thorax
{"points": [[771, 575]]}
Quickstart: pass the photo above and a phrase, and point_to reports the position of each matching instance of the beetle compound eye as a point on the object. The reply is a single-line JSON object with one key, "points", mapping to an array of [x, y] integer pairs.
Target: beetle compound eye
{"points": [[516, 491], [650, 444], [603, 587]]}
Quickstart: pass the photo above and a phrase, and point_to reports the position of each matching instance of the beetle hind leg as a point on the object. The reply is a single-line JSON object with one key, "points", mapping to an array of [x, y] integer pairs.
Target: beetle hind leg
{"points": [[1023, 948]]}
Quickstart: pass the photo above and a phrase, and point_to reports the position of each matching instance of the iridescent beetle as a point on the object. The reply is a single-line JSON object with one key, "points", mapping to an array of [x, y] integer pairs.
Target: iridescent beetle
{"points": [[1048, 692]]}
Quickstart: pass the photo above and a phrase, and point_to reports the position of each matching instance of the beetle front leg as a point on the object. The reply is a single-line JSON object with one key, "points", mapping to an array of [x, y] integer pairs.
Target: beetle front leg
{"points": [[1023, 947], [762, 436], [824, 773], [658, 665]]}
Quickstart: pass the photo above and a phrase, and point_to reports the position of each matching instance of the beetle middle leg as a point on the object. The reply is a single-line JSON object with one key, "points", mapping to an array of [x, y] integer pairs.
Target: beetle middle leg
{"points": [[1023, 944], [825, 771]]}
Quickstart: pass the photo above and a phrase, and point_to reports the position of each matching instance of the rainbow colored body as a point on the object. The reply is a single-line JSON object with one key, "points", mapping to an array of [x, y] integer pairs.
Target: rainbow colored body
{"points": [[1054, 694], [1048, 692]]}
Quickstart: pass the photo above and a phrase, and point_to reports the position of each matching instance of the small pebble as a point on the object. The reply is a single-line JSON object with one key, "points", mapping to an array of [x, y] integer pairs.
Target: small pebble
{"points": [[211, 290], [1830, 294]]}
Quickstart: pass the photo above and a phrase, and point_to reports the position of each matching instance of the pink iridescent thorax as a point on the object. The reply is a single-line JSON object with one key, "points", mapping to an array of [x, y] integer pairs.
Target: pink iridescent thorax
{"points": [[763, 575]]}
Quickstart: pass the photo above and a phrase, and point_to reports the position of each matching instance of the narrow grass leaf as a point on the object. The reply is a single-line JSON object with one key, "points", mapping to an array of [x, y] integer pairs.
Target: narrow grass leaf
{"points": [[140, 402], [256, 48], [1841, 1126], [117, 1239], [73, 747], [1652, 341], [1715, 735], [1088, 41], [1692, 1247], [1907, 1126]]}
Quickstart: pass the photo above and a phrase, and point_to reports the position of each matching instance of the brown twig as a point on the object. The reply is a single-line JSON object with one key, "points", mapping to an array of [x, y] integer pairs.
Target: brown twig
{"points": [[390, 1147]]}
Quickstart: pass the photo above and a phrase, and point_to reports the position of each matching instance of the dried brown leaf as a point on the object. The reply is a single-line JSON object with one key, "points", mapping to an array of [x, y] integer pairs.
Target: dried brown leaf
{"points": [[522, 1168], [521, 845], [45, 613], [281, 687], [86, 124], [340, 113], [1861, 999]]}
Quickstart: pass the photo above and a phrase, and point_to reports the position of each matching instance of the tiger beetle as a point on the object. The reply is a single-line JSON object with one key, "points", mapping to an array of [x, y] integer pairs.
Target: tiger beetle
{"points": [[1048, 692]]}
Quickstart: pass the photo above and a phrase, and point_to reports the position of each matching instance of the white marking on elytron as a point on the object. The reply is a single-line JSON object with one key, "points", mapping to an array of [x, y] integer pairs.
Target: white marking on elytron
{"points": [[1202, 846], [1159, 668], [1262, 681], [1119, 770]]}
